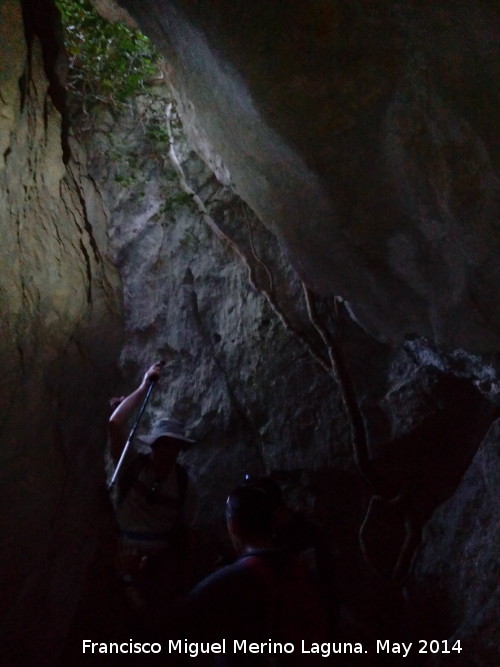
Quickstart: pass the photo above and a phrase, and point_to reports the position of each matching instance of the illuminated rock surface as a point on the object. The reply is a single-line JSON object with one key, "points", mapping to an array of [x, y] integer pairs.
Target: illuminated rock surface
{"points": [[363, 140]]}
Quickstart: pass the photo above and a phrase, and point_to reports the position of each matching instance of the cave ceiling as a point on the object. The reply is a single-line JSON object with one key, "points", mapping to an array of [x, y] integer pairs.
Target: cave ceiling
{"points": [[363, 135]]}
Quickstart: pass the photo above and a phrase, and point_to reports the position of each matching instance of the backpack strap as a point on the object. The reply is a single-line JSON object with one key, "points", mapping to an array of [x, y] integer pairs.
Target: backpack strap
{"points": [[131, 475], [128, 478]]}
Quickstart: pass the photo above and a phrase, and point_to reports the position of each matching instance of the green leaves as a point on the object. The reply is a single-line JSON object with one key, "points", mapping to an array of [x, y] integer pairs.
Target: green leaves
{"points": [[108, 62]]}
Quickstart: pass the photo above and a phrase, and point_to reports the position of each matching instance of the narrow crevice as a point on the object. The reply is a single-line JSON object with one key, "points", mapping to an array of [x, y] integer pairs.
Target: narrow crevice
{"points": [[86, 220], [41, 20], [89, 271], [23, 87]]}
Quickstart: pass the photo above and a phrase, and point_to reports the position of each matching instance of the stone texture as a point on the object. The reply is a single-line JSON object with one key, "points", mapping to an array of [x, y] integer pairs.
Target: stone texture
{"points": [[379, 185], [363, 134], [254, 396], [424, 433], [258, 402], [59, 337], [109, 10], [461, 602]]}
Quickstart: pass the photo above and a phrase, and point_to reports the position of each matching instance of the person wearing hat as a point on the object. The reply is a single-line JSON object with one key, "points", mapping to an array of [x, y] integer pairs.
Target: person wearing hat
{"points": [[154, 503]]}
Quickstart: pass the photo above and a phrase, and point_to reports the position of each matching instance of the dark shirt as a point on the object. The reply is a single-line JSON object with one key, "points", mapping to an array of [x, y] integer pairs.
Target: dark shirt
{"points": [[263, 596]]}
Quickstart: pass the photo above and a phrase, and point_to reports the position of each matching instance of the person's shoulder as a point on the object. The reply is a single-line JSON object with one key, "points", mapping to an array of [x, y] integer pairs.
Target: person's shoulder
{"points": [[271, 560], [224, 580]]}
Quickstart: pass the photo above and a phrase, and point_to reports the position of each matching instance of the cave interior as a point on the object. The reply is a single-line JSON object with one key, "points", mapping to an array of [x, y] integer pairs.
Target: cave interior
{"points": [[298, 216]]}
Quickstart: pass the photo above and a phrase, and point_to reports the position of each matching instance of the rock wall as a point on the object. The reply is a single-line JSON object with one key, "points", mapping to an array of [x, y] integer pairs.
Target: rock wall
{"points": [[363, 134], [470, 618], [209, 290], [59, 339], [363, 137]]}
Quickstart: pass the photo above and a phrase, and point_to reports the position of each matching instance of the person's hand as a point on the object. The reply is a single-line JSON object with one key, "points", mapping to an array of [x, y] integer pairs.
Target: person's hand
{"points": [[153, 373]]}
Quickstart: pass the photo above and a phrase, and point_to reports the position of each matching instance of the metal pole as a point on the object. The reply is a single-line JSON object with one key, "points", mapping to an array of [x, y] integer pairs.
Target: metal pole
{"points": [[131, 434]]}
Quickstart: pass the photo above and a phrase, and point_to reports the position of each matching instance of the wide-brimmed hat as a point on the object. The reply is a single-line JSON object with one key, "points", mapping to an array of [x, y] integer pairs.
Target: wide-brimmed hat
{"points": [[166, 428]]}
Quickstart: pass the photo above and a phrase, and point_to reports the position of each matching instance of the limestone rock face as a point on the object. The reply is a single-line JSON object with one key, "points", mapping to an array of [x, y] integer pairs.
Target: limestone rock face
{"points": [[250, 376], [248, 373], [362, 137], [423, 440], [467, 618], [59, 337], [363, 134]]}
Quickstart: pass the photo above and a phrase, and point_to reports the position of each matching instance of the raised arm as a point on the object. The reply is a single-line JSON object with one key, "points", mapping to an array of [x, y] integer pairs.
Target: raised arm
{"points": [[118, 421]]}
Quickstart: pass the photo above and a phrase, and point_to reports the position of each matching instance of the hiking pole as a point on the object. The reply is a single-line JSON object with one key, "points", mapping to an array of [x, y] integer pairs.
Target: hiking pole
{"points": [[133, 430]]}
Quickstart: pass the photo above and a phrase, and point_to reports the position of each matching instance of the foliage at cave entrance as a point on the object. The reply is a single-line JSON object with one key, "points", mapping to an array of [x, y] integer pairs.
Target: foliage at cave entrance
{"points": [[108, 62]]}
